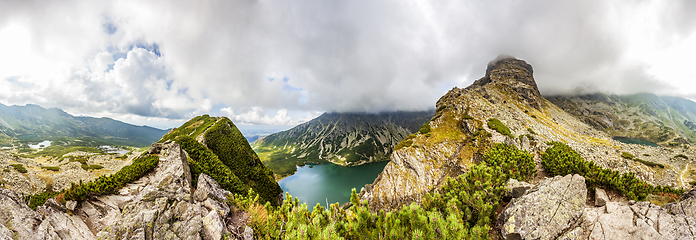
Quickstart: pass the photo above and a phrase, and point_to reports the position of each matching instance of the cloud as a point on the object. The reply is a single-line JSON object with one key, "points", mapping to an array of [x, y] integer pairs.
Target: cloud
{"points": [[257, 116], [177, 59]]}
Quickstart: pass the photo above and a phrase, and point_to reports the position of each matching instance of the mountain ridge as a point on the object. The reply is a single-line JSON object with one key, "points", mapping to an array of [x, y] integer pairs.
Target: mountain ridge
{"points": [[665, 120], [35, 123], [342, 138]]}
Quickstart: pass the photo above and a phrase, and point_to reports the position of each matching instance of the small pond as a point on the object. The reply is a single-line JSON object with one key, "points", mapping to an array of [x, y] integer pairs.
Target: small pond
{"points": [[636, 141]]}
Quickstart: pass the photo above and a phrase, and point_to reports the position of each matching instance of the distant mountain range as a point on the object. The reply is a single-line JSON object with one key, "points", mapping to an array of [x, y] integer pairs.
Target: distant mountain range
{"points": [[35, 123], [342, 138], [660, 119]]}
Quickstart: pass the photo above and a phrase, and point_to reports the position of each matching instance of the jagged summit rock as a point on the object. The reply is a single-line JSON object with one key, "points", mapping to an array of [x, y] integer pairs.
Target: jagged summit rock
{"points": [[515, 74]]}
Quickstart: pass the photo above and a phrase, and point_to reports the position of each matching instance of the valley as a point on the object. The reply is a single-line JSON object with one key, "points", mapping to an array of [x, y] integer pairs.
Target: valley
{"points": [[346, 139], [495, 160]]}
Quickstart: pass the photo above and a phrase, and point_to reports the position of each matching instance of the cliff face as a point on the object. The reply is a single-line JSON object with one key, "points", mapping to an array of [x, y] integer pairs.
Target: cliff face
{"points": [[461, 132], [160, 205]]}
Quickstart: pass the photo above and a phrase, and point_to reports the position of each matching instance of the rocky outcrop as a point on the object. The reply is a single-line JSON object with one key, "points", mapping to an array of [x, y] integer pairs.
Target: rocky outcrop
{"points": [[685, 206], [642, 220], [549, 210], [517, 76], [160, 205], [410, 174]]}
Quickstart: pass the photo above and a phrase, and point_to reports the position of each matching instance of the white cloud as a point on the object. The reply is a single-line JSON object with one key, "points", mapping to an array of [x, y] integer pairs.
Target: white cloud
{"points": [[257, 116], [178, 59]]}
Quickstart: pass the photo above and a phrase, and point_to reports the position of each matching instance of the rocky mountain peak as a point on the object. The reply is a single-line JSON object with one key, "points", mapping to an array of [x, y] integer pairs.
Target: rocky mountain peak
{"points": [[514, 74]]}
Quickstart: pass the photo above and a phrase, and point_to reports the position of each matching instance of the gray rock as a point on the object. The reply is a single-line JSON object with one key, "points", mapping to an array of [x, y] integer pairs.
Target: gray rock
{"points": [[601, 197], [213, 226], [70, 205], [52, 203], [515, 189], [59, 223], [642, 220], [207, 187], [16, 216], [248, 233], [547, 211], [5, 233]]}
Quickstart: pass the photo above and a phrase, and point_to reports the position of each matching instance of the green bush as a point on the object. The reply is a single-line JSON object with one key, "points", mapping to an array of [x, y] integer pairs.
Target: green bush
{"points": [[498, 126], [627, 155], [101, 186], [425, 128], [92, 167], [518, 164], [403, 144], [681, 156], [468, 117], [531, 131], [203, 160], [19, 168], [560, 159], [52, 168], [648, 163], [39, 199], [111, 183]]}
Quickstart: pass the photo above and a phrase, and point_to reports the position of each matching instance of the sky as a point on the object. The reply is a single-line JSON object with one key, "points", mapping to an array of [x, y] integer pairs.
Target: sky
{"points": [[280, 63]]}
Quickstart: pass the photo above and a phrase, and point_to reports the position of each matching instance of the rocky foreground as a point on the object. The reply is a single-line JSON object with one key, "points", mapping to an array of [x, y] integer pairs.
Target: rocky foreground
{"points": [[160, 205], [556, 208]]}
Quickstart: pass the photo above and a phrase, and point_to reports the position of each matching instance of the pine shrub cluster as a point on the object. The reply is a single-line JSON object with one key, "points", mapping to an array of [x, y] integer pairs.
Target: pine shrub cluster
{"points": [[203, 160], [497, 125], [560, 159], [110, 184], [464, 208], [19, 168], [101, 186], [228, 143]]}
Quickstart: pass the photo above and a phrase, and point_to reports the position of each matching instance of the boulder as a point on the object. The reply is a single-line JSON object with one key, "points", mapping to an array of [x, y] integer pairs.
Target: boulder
{"points": [[207, 187], [16, 217], [601, 197], [548, 211], [515, 189]]}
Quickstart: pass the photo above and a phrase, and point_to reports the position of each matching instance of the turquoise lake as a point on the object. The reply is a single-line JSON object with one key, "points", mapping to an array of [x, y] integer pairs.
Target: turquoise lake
{"points": [[329, 182], [635, 141]]}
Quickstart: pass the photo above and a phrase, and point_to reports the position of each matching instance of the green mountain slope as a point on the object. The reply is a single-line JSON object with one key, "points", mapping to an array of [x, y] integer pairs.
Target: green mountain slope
{"points": [[34, 123], [217, 148], [660, 119], [343, 138]]}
